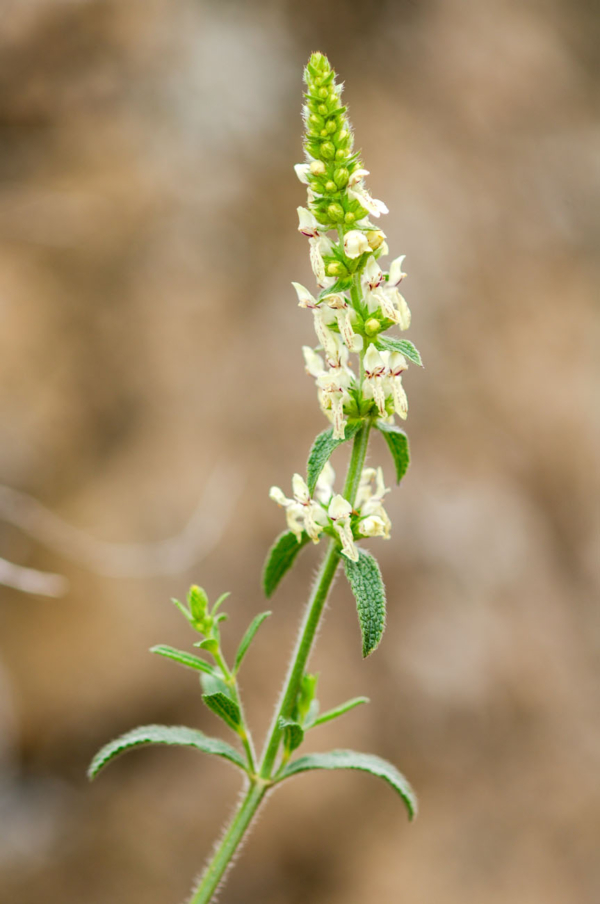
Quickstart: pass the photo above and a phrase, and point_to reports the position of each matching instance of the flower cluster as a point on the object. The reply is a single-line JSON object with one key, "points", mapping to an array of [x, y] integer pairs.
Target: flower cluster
{"points": [[328, 512], [357, 300]]}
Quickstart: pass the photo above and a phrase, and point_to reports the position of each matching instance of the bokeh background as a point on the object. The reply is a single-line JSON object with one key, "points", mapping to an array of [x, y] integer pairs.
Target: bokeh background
{"points": [[150, 373]]}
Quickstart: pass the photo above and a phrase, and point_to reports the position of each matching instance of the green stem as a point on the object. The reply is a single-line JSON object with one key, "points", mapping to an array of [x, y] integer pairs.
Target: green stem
{"points": [[245, 736], [218, 865], [214, 872]]}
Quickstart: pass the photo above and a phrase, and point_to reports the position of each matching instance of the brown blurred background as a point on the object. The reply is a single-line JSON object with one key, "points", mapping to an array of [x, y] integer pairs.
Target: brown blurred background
{"points": [[150, 367]]}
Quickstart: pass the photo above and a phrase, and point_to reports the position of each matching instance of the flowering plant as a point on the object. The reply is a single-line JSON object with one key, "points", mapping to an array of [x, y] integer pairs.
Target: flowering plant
{"points": [[358, 372]]}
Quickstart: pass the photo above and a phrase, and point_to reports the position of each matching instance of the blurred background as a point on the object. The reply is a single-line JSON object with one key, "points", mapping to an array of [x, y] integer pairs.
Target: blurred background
{"points": [[152, 389]]}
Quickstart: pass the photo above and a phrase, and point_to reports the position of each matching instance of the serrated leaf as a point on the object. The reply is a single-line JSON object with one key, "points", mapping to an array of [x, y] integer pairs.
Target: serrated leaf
{"points": [[397, 441], [337, 711], [293, 733], [404, 346], [280, 559], [248, 638], [321, 451], [365, 762], [183, 658], [175, 735], [224, 707], [366, 582]]}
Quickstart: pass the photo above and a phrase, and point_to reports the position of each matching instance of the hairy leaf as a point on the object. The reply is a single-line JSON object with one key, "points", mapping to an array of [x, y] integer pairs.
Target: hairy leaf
{"points": [[224, 707], [367, 586], [321, 451], [404, 346], [183, 658], [248, 638], [293, 733], [337, 711], [280, 559], [214, 684], [177, 735], [366, 762], [397, 441]]}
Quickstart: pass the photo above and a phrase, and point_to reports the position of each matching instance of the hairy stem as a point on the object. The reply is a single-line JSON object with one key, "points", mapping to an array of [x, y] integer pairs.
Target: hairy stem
{"points": [[217, 867]]}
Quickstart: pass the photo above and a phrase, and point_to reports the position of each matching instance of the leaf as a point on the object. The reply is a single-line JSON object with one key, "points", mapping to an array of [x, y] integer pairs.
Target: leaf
{"points": [[404, 346], [338, 711], [177, 735], [321, 451], [397, 441], [366, 762], [183, 658], [214, 684], [224, 707], [293, 733], [280, 559], [367, 586], [248, 638]]}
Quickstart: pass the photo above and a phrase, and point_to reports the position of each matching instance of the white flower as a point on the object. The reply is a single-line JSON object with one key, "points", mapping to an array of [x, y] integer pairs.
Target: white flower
{"points": [[340, 511], [373, 385], [374, 520], [302, 170], [398, 364], [305, 299], [318, 247], [302, 512], [355, 243], [324, 487], [334, 384], [308, 224], [357, 191], [314, 362], [344, 315], [396, 274], [372, 275]]}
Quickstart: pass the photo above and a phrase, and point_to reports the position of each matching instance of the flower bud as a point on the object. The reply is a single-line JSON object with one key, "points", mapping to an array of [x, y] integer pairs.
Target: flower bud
{"points": [[336, 268], [198, 602], [317, 167], [336, 212], [349, 217], [328, 150], [322, 108], [375, 238], [331, 126], [372, 326], [355, 244], [341, 154], [341, 176], [330, 186]]}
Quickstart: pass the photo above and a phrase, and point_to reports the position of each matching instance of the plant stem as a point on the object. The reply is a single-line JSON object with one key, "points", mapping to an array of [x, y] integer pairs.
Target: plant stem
{"points": [[218, 865]]}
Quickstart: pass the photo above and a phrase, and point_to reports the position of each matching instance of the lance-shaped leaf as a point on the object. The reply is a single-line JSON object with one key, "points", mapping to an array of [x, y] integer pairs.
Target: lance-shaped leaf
{"points": [[293, 733], [321, 451], [365, 762], [248, 638], [173, 735], [404, 346], [397, 441], [183, 658], [224, 707], [367, 586], [336, 712], [280, 559]]}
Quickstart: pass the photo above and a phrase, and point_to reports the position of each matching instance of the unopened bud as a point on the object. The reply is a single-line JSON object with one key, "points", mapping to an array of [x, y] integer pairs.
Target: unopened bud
{"points": [[323, 92], [331, 126], [336, 268], [198, 602], [341, 154], [317, 167], [375, 238], [372, 326], [322, 108], [336, 212], [350, 217], [330, 186], [341, 176], [328, 150]]}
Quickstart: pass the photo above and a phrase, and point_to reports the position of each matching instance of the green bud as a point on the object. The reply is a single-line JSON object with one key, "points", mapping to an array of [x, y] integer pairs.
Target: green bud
{"points": [[322, 109], [336, 212], [317, 168], [349, 217], [341, 176], [198, 602], [316, 120], [341, 153], [328, 150], [323, 133], [336, 268], [331, 126], [372, 326], [330, 186], [323, 92]]}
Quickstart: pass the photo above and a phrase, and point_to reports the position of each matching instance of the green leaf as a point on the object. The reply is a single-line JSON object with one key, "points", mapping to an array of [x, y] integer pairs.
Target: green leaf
{"points": [[280, 559], [183, 658], [293, 733], [224, 707], [366, 762], [367, 586], [177, 735], [248, 638], [321, 451], [397, 441], [338, 711], [214, 684], [404, 346]]}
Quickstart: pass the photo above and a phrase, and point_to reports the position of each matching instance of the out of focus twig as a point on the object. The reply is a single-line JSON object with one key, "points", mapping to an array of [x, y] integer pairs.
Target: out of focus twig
{"points": [[175, 554]]}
